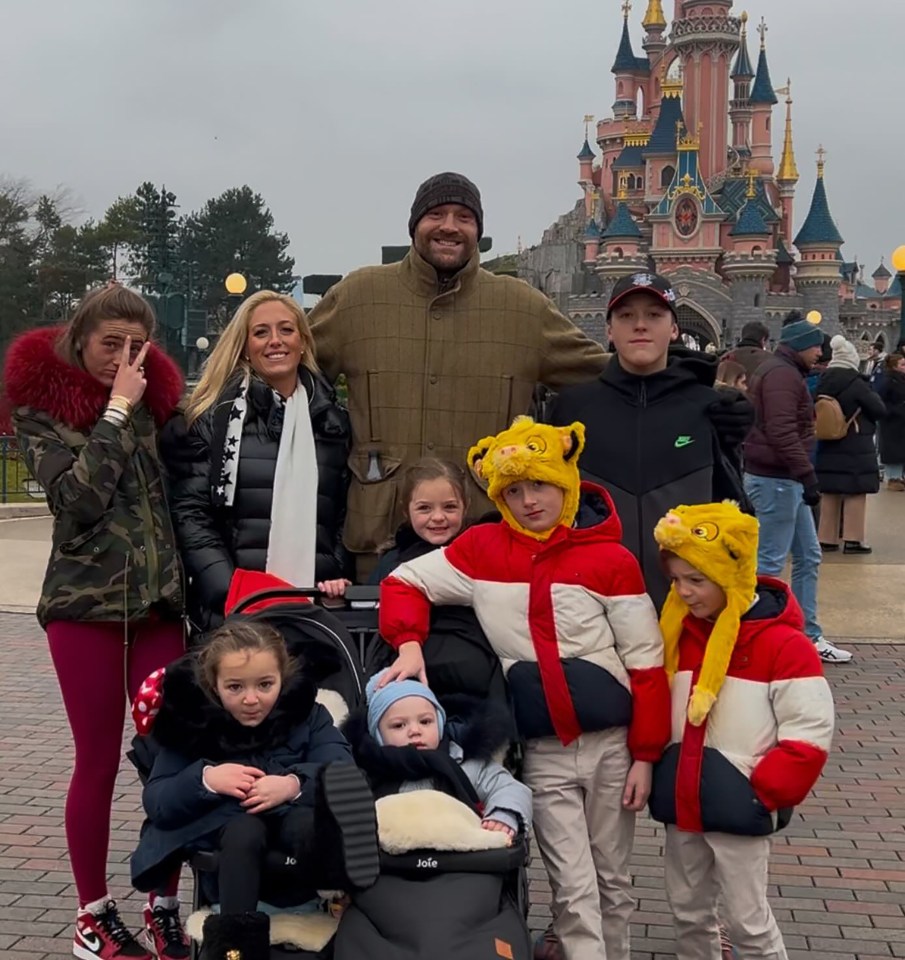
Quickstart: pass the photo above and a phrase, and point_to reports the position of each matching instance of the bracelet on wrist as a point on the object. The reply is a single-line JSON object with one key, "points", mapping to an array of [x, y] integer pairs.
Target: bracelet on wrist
{"points": [[120, 403], [116, 417]]}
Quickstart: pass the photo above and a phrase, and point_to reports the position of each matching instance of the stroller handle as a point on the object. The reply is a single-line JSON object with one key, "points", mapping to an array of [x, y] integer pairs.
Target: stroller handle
{"points": [[354, 594], [289, 594]]}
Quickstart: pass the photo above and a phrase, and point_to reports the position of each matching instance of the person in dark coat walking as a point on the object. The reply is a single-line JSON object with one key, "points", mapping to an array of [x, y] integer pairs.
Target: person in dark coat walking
{"points": [[752, 348], [847, 469], [892, 429], [258, 463]]}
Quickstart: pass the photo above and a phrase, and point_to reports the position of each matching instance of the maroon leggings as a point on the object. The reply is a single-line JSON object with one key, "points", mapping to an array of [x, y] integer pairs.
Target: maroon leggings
{"points": [[95, 668]]}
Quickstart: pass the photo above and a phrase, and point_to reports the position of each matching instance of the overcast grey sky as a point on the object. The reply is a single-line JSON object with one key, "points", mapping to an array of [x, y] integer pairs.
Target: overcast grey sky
{"points": [[335, 110]]}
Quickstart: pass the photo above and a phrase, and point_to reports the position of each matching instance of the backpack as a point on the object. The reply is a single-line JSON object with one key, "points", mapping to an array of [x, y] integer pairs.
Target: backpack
{"points": [[830, 420]]}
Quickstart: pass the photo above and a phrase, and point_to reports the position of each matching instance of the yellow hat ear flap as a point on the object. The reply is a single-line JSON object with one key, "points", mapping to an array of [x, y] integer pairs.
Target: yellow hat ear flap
{"points": [[672, 617], [476, 458], [572, 441], [717, 657]]}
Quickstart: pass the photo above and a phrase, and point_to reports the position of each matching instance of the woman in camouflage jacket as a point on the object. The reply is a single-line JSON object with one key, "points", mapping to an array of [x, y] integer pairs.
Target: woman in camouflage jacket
{"points": [[89, 399]]}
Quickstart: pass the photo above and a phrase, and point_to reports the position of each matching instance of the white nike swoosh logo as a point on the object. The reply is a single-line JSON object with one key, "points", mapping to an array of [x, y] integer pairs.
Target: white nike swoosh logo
{"points": [[91, 940]]}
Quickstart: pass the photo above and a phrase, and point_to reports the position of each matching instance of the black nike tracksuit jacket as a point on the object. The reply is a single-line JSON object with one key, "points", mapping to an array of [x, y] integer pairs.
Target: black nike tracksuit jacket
{"points": [[650, 442]]}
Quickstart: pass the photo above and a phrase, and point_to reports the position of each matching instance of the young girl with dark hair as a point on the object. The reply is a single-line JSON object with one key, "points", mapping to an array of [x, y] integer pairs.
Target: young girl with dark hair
{"points": [[248, 762]]}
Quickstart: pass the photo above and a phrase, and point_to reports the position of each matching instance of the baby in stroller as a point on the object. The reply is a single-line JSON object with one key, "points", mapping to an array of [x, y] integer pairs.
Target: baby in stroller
{"points": [[245, 761], [438, 789]]}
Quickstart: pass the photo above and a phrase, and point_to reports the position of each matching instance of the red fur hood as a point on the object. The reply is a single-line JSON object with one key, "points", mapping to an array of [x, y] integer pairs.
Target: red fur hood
{"points": [[36, 376]]}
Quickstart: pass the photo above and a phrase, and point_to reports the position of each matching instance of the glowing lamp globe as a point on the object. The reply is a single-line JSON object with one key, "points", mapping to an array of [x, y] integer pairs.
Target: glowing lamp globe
{"points": [[898, 258], [202, 343], [235, 284], [814, 316]]}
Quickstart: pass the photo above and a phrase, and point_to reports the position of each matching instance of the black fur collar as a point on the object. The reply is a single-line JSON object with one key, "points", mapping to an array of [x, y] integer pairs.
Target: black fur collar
{"points": [[194, 725]]}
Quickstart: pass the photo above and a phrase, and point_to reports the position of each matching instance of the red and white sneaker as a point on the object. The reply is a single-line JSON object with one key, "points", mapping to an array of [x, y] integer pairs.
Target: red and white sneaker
{"points": [[164, 934], [103, 936]]}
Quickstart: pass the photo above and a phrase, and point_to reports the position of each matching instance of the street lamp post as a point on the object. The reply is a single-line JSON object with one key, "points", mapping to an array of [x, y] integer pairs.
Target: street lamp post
{"points": [[235, 284], [898, 261]]}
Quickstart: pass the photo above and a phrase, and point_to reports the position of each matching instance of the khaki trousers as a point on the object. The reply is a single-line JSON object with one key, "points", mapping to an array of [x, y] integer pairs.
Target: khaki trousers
{"points": [[702, 868], [840, 510], [585, 838]]}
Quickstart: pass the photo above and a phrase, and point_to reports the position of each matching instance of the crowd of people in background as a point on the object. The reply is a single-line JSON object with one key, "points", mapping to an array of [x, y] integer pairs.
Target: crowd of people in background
{"points": [[159, 500]]}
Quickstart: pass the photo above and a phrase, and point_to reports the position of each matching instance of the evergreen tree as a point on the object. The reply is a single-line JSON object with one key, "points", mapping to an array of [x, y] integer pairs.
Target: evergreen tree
{"points": [[235, 233]]}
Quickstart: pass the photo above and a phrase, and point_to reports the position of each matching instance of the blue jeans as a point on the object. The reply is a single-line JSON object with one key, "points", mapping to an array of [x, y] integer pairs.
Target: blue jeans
{"points": [[893, 471], [787, 526]]}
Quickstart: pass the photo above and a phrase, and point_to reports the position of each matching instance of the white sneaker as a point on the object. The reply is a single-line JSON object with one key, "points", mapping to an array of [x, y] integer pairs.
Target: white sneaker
{"points": [[831, 654]]}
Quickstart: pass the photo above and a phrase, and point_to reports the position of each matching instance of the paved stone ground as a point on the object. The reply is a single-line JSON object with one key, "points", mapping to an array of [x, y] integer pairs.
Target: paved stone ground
{"points": [[838, 876]]}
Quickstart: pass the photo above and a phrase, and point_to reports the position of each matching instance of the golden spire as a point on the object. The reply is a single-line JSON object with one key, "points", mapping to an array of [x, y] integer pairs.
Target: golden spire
{"points": [[762, 30], [626, 8], [788, 172], [821, 161], [654, 18], [751, 193]]}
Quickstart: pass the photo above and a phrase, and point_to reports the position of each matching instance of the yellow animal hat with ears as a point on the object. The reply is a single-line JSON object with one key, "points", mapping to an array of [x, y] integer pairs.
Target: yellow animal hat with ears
{"points": [[531, 451], [721, 542]]}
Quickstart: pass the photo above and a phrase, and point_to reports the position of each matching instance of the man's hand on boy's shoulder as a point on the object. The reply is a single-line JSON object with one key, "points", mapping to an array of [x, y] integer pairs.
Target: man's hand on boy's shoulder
{"points": [[732, 416]]}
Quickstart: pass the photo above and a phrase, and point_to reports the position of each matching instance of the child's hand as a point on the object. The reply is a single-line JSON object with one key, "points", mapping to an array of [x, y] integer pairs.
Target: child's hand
{"points": [[637, 785], [231, 779], [497, 827], [334, 589], [409, 663], [270, 791]]}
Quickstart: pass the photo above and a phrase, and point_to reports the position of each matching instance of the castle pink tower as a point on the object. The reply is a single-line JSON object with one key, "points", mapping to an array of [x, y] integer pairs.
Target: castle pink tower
{"points": [[706, 37]]}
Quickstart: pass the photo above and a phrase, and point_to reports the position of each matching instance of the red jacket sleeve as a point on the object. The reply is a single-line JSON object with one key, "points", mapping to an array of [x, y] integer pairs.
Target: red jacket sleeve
{"points": [[803, 707], [404, 612], [441, 577]]}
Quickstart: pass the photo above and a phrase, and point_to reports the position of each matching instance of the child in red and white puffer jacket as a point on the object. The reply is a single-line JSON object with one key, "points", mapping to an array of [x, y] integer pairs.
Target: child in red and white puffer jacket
{"points": [[752, 727]]}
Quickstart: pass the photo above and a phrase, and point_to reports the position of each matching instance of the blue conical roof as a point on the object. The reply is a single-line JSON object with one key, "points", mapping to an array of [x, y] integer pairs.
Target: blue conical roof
{"points": [[819, 226], [586, 152], [592, 231], [750, 223], [663, 138], [762, 91], [742, 69], [626, 61], [622, 225]]}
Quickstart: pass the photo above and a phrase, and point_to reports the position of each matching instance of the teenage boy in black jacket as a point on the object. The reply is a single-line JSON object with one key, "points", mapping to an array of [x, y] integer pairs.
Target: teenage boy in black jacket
{"points": [[658, 433]]}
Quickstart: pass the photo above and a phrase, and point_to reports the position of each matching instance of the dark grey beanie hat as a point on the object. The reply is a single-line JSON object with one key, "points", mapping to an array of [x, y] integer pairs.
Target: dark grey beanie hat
{"points": [[446, 188]]}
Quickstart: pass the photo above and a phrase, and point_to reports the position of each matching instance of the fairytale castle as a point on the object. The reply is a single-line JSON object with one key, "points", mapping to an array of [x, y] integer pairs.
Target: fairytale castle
{"points": [[684, 182]]}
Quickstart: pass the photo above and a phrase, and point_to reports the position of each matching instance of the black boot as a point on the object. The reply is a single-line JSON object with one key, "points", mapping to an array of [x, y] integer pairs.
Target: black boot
{"points": [[853, 546], [346, 828], [236, 936]]}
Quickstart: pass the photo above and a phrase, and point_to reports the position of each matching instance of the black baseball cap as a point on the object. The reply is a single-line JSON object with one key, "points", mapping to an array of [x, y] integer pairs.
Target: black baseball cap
{"points": [[644, 282]]}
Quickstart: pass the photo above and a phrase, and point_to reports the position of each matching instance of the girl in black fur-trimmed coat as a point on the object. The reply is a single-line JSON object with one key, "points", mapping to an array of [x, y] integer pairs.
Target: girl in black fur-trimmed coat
{"points": [[246, 762]]}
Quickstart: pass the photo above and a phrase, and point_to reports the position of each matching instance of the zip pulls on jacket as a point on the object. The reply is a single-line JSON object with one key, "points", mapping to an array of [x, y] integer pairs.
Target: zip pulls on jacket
{"points": [[639, 509]]}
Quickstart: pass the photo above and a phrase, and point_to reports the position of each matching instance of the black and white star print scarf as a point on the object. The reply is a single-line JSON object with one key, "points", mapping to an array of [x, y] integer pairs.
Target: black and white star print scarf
{"points": [[226, 489], [292, 543]]}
